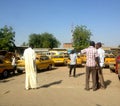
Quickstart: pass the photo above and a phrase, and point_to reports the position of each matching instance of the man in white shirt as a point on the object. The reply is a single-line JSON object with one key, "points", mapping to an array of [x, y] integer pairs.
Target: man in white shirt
{"points": [[101, 54], [73, 58], [14, 63]]}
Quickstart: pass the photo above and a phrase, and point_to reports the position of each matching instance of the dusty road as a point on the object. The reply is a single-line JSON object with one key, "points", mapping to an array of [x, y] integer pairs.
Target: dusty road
{"points": [[57, 89]]}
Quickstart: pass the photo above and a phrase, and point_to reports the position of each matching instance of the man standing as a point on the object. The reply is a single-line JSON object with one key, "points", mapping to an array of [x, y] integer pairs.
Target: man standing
{"points": [[14, 63], [30, 68], [101, 54], [73, 58], [91, 55]]}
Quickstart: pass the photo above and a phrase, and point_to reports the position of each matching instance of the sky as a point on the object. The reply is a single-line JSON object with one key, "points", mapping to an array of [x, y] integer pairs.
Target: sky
{"points": [[58, 17]]}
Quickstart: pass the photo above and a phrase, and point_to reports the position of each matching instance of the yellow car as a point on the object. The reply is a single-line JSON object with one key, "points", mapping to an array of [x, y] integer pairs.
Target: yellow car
{"points": [[83, 57], [20, 65], [59, 59], [79, 61], [5, 68], [42, 62], [109, 60], [112, 66]]}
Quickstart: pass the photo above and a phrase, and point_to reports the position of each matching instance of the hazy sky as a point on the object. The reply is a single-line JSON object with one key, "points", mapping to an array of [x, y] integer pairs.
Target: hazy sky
{"points": [[102, 18]]}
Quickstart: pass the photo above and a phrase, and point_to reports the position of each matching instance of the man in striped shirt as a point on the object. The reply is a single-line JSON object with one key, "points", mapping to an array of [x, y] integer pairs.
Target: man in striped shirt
{"points": [[92, 59]]}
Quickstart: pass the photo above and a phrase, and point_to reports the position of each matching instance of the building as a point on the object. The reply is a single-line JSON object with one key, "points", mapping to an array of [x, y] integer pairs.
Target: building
{"points": [[20, 50], [67, 45], [41, 51]]}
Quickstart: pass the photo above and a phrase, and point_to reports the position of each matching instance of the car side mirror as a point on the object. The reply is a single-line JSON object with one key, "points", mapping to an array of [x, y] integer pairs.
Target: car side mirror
{"points": [[41, 59]]}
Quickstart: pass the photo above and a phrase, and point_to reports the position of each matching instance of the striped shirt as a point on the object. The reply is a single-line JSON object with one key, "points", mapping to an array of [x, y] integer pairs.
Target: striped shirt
{"points": [[91, 54]]}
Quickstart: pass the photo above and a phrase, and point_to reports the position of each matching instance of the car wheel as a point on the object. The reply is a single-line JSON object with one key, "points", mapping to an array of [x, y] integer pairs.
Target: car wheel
{"points": [[49, 67], [112, 70], [5, 74], [20, 71], [65, 62]]}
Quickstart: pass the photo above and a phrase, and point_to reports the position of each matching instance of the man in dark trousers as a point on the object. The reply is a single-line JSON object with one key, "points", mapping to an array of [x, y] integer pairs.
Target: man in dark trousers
{"points": [[92, 58], [73, 58], [101, 54]]}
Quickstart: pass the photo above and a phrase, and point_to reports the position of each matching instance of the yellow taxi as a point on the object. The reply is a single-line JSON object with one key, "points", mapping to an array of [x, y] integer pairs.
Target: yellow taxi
{"points": [[60, 59], [79, 61], [109, 60], [83, 57], [20, 65], [42, 62], [5, 68]]}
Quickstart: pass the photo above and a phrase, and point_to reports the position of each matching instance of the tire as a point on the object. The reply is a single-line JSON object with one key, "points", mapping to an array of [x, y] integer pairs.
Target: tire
{"points": [[112, 70], [20, 71], [50, 67], [5, 74]]}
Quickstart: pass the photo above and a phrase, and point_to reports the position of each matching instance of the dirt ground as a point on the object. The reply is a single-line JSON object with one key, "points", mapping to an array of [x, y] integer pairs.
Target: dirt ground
{"points": [[56, 88]]}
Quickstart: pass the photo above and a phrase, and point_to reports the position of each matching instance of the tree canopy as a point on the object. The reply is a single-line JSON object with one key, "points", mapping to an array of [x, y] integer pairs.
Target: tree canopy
{"points": [[119, 46], [81, 37], [7, 38], [44, 40]]}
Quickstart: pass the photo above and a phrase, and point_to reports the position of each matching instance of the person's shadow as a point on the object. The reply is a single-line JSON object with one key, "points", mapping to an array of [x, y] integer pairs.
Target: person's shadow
{"points": [[107, 83], [79, 74], [50, 84]]}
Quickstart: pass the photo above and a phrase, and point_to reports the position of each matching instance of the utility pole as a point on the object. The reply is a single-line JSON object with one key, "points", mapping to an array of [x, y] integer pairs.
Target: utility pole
{"points": [[72, 30]]}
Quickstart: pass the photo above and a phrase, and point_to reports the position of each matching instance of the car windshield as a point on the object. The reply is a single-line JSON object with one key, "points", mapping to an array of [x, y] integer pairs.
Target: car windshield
{"points": [[44, 58], [58, 56], [110, 56]]}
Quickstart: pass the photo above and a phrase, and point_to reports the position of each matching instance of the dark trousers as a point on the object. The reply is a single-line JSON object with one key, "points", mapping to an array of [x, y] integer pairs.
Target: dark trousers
{"points": [[14, 68], [90, 70], [100, 78], [71, 68]]}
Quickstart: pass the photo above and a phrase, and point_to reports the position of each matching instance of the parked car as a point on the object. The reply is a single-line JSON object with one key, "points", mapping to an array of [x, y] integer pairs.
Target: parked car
{"points": [[60, 59], [112, 65], [5, 68], [83, 57], [42, 62], [109, 60], [20, 65]]}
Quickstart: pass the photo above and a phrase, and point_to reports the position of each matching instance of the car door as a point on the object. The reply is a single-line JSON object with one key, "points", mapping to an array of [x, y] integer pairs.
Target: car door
{"points": [[42, 62]]}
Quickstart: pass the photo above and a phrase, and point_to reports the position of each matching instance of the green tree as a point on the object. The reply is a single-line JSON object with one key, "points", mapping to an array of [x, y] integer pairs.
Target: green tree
{"points": [[7, 38], [36, 40], [119, 46], [44, 40], [81, 37], [24, 44], [49, 41]]}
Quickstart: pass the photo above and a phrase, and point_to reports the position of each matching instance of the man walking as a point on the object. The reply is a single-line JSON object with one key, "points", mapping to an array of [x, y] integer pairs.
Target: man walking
{"points": [[73, 58], [91, 55], [30, 68]]}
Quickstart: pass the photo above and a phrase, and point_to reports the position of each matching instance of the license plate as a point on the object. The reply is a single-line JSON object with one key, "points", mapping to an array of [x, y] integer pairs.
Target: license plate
{"points": [[111, 65]]}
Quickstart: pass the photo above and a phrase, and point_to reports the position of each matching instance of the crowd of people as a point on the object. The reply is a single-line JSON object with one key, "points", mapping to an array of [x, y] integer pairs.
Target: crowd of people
{"points": [[94, 64]]}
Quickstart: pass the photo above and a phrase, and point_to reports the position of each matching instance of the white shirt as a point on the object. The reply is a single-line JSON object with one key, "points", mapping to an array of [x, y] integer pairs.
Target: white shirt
{"points": [[13, 61], [30, 68], [73, 59], [101, 54]]}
